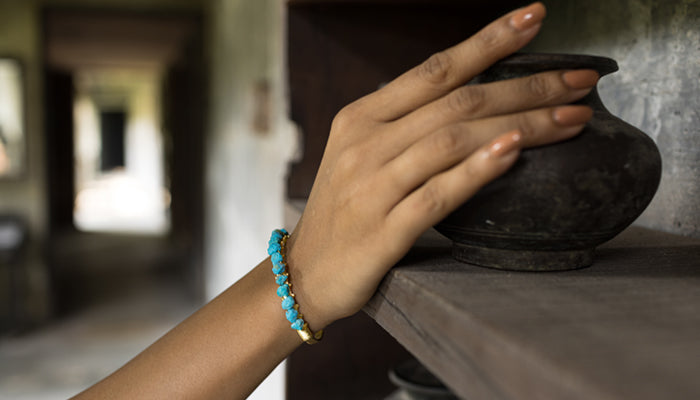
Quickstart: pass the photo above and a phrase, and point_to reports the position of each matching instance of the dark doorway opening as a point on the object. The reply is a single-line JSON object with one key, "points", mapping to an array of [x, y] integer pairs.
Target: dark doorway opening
{"points": [[112, 129]]}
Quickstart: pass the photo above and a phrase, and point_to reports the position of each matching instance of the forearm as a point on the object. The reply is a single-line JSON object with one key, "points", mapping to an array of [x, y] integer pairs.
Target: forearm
{"points": [[222, 351]]}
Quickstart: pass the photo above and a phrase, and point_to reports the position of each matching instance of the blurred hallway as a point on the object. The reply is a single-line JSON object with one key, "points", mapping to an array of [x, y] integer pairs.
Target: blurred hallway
{"points": [[72, 353], [191, 96]]}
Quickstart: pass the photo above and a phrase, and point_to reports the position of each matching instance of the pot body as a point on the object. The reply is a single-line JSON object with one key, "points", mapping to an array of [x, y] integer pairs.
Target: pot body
{"points": [[560, 201]]}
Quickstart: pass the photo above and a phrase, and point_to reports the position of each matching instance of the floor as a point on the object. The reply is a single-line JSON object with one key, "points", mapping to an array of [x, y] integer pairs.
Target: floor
{"points": [[87, 344], [67, 356]]}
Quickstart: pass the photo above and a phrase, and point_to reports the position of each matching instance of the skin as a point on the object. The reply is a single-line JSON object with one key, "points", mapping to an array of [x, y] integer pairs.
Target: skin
{"points": [[397, 162]]}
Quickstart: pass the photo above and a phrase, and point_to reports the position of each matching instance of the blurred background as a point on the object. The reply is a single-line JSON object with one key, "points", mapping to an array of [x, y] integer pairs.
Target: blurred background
{"points": [[147, 149], [121, 122]]}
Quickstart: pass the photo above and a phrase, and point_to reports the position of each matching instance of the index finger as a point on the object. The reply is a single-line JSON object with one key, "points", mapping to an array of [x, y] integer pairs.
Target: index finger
{"points": [[448, 69]]}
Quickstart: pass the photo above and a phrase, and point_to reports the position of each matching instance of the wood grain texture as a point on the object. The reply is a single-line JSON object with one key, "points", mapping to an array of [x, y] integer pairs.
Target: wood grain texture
{"points": [[626, 327]]}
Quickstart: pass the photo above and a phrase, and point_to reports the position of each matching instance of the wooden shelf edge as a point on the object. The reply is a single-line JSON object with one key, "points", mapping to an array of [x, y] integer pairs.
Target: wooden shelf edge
{"points": [[490, 348], [460, 366]]}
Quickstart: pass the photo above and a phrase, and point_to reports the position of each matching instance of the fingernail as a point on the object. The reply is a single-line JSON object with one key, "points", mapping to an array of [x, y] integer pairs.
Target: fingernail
{"points": [[505, 144], [572, 115], [527, 17], [580, 79]]}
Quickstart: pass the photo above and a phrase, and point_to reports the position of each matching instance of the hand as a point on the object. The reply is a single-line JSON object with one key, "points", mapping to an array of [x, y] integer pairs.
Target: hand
{"points": [[401, 159]]}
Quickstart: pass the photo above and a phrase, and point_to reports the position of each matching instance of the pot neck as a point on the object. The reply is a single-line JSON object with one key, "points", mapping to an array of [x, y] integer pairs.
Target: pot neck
{"points": [[524, 64], [593, 100]]}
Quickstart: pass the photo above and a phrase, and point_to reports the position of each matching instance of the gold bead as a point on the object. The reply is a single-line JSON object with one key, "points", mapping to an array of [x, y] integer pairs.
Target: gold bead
{"points": [[308, 336]]}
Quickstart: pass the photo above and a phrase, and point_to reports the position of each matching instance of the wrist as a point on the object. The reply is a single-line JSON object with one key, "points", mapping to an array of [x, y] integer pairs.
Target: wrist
{"points": [[309, 283], [287, 292]]}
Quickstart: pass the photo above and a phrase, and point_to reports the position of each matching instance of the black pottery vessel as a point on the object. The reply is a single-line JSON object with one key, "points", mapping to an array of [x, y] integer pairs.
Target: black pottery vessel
{"points": [[415, 382], [559, 201]]}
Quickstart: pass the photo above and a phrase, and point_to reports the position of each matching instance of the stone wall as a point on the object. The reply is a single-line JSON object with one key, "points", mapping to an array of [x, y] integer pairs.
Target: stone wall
{"points": [[657, 46]]}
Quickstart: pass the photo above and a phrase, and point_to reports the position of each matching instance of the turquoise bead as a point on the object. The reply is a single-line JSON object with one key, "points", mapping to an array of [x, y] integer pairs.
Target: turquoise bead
{"points": [[292, 315], [274, 248], [283, 291], [278, 269], [288, 303], [298, 324]]}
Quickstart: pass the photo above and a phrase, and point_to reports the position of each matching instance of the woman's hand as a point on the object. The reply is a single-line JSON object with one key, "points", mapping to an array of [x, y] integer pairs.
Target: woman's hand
{"points": [[401, 159]]}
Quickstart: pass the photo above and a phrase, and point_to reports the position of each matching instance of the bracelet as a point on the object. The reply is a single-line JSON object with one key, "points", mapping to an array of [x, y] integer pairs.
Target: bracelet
{"points": [[276, 250]]}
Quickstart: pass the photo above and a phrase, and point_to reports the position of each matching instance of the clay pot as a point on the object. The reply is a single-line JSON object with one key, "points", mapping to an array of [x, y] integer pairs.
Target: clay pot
{"points": [[559, 201], [415, 382]]}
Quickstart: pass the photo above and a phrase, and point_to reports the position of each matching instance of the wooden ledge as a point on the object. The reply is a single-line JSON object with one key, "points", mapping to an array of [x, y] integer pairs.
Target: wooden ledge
{"points": [[628, 327]]}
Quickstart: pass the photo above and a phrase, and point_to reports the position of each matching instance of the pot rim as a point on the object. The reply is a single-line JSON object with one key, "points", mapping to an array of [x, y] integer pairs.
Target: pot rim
{"points": [[553, 61]]}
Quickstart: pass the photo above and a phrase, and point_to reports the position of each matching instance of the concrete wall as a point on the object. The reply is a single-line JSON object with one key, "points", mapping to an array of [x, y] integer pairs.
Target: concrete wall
{"points": [[26, 196], [657, 46], [19, 37]]}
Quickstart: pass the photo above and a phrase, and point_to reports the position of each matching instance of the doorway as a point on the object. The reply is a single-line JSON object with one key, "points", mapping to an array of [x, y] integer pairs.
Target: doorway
{"points": [[124, 102]]}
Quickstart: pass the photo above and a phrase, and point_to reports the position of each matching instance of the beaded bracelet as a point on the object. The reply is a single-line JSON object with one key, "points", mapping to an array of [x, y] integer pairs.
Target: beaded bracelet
{"points": [[276, 250]]}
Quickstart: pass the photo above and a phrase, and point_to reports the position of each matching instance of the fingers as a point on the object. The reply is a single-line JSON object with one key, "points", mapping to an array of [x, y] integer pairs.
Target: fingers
{"points": [[434, 200], [453, 67], [498, 98], [539, 127], [448, 147]]}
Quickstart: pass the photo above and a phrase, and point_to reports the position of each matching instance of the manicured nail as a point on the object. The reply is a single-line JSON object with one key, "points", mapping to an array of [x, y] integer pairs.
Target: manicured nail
{"points": [[527, 17], [572, 115], [580, 79], [505, 144]]}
